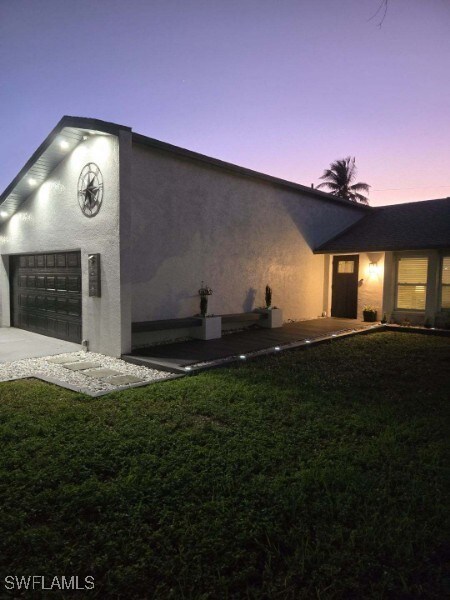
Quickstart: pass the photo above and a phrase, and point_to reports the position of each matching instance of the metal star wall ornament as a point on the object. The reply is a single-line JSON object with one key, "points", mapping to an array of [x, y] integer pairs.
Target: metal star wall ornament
{"points": [[90, 190]]}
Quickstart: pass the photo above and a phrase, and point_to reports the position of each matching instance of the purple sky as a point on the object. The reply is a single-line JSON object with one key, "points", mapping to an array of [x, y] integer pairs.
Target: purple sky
{"points": [[280, 86]]}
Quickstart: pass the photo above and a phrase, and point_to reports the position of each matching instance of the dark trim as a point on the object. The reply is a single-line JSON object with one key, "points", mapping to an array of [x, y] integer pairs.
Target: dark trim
{"points": [[221, 164], [382, 248]]}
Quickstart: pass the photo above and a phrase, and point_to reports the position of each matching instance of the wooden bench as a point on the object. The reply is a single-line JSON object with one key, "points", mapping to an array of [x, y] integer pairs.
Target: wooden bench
{"points": [[165, 324], [249, 317]]}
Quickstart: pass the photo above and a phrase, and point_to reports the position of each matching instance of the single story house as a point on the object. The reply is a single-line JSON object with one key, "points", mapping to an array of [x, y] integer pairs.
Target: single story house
{"points": [[104, 228]]}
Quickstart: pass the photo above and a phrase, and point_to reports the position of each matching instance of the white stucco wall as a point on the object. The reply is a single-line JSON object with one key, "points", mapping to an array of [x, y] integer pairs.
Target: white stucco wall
{"points": [[51, 220], [192, 221], [370, 289]]}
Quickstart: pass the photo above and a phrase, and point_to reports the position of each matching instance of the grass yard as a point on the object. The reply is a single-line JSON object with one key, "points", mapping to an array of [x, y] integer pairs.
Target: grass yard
{"points": [[321, 473]]}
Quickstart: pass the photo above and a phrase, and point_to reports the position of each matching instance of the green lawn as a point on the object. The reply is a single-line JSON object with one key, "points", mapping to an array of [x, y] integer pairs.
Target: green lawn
{"points": [[321, 473]]}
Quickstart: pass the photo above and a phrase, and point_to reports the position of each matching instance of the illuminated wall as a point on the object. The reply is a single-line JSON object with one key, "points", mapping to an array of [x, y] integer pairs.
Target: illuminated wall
{"points": [[194, 222], [51, 220]]}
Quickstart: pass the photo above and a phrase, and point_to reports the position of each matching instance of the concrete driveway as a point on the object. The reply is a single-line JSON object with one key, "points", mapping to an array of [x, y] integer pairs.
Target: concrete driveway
{"points": [[17, 344]]}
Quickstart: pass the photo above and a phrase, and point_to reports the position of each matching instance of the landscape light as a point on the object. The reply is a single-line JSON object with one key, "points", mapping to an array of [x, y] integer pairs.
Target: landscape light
{"points": [[277, 348], [307, 341], [187, 368], [242, 356], [3, 214]]}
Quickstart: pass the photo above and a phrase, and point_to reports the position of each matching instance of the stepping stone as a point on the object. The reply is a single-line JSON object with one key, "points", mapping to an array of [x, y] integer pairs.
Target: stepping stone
{"points": [[81, 366], [123, 379], [102, 372], [60, 360]]}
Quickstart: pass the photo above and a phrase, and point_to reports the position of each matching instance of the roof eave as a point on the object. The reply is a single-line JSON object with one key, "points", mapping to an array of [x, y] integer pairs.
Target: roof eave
{"points": [[184, 153], [66, 121], [381, 248]]}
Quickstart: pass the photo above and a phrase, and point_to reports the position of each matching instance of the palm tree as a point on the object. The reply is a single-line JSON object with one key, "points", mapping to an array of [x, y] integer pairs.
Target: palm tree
{"points": [[339, 180]]}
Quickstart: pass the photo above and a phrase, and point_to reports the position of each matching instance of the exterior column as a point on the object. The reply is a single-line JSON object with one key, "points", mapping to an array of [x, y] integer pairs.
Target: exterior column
{"points": [[125, 241]]}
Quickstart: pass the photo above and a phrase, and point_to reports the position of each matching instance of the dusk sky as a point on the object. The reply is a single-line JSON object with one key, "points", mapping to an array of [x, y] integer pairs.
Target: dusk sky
{"points": [[279, 86]]}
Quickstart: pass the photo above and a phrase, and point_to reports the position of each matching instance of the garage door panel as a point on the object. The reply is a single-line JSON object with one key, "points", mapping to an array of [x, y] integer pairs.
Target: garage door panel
{"points": [[57, 311], [61, 285], [51, 326], [73, 259], [60, 260], [74, 284], [62, 329]]}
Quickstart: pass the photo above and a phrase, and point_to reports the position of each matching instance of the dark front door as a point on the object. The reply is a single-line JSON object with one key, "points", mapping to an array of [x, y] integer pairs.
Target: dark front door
{"points": [[46, 294], [344, 298]]}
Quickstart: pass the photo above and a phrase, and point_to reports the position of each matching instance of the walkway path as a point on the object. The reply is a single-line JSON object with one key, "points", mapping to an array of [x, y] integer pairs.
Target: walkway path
{"points": [[175, 357]]}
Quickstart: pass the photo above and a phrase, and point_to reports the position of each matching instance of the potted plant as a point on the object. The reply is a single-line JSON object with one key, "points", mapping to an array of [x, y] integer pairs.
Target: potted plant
{"points": [[369, 314], [268, 296], [211, 326], [271, 315], [204, 292]]}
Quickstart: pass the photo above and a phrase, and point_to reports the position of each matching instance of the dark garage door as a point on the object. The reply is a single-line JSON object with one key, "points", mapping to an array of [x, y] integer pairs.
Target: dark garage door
{"points": [[46, 294]]}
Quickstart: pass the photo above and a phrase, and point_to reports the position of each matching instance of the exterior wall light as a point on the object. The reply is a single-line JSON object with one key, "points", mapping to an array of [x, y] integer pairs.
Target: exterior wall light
{"points": [[373, 268], [63, 145], [32, 181], [3, 214]]}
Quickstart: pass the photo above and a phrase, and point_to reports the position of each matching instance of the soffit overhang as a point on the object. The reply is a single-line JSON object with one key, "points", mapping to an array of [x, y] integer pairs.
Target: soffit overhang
{"points": [[69, 132]]}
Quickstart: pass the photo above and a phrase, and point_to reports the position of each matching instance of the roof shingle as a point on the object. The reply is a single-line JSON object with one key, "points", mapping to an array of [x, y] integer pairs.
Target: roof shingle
{"points": [[411, 226]]}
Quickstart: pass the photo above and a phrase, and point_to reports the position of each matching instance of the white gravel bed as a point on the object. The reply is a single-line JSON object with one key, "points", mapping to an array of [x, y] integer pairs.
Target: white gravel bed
{"points": [[40, 367]]}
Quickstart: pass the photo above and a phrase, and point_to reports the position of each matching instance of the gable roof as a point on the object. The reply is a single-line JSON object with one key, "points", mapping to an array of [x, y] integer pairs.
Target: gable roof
{"points": [[411, 226], [72, 129], [69, 130]]}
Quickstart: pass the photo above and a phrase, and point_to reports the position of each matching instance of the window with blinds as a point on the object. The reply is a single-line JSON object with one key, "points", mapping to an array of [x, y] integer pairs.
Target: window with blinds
{"points": [[412, 283], [445, 282]]}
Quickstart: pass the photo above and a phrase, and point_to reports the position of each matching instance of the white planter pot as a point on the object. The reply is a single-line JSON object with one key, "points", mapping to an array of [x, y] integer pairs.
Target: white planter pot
{"points": [[210, 329], [273, 319]]}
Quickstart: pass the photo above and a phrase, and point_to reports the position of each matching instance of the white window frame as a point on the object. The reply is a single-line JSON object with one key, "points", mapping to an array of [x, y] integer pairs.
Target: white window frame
{"points": [[441, 285], [397, 264]]}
